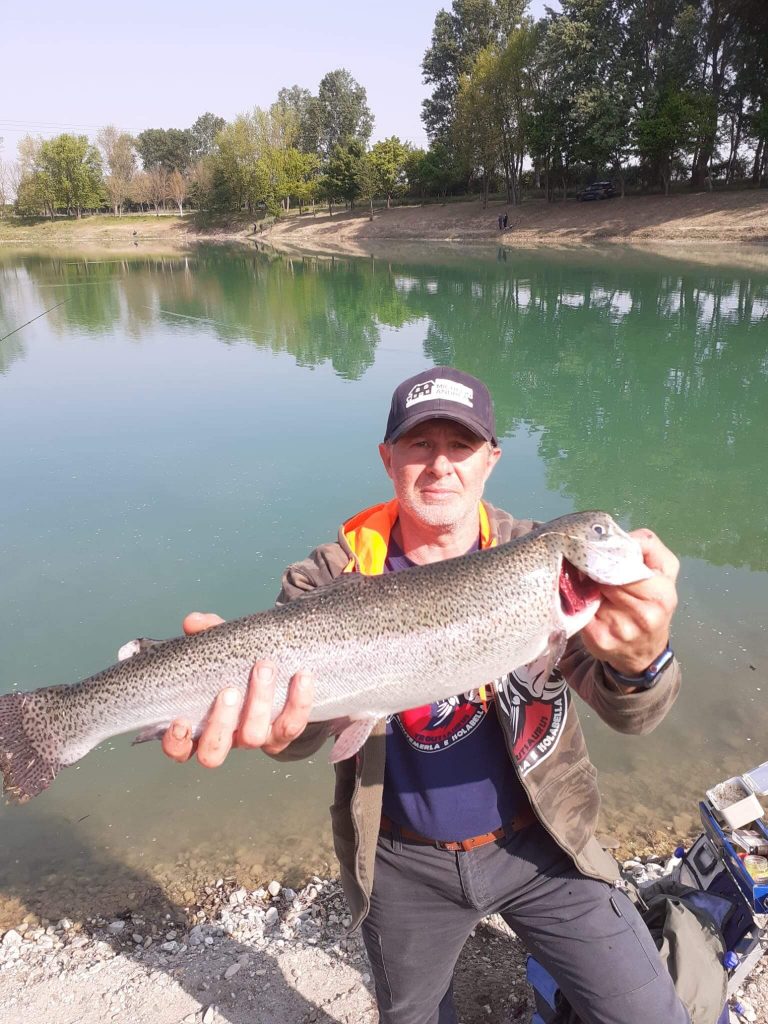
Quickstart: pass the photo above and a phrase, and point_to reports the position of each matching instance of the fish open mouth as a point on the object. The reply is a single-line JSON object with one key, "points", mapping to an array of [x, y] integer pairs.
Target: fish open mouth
{"points": [[577, 590]]}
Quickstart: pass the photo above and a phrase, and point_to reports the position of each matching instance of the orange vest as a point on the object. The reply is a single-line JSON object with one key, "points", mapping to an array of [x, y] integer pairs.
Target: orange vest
{"points": [[369, 531]]}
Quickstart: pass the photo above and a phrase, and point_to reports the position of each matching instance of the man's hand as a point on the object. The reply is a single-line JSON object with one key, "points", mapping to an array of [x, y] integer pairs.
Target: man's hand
{"points": [[235, 722], [631, 627]]}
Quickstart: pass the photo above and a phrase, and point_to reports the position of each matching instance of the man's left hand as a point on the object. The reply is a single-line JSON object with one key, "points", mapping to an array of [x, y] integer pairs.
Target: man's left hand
{"points": [[631, 627]]}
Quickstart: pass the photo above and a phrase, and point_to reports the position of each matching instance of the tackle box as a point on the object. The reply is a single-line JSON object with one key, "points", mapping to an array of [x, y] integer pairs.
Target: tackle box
{"points": [[731, 805]]}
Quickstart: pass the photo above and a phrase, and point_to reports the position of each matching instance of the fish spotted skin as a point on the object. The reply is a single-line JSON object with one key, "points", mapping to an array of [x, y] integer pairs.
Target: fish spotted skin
{"points": [[377, 645]]}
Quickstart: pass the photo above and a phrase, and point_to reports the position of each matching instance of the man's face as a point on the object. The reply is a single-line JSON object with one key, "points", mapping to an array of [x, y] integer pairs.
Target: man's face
{"points": [[439, 469]]}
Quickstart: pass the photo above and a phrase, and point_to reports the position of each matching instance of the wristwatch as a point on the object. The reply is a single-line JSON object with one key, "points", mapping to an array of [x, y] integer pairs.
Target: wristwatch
{"points": [[646, 680]]}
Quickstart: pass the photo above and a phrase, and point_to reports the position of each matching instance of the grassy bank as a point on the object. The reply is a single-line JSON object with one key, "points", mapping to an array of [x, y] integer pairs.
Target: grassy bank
{"points": [[104, 231]]}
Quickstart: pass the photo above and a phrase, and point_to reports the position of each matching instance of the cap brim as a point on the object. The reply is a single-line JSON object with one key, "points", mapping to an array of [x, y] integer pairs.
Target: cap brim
{"points": [[442, 414]]}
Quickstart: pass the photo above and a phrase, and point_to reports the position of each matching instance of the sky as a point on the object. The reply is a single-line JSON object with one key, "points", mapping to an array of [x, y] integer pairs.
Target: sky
{"points": [[82, 65]]}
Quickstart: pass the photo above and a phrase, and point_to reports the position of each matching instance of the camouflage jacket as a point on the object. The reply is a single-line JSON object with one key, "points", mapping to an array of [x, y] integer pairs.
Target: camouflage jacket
{"points": [[542, 731]]}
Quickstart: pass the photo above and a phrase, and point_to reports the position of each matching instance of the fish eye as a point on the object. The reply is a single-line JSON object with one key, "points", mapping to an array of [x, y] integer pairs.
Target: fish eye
{"points": [[599, 529]]}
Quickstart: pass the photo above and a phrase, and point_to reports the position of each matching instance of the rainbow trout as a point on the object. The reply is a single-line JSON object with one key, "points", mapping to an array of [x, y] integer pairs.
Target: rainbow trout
{"points": [[376, 644]]}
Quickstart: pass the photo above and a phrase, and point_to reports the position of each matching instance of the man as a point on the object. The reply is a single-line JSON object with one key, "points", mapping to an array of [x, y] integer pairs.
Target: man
{"points": [[487, 802]]}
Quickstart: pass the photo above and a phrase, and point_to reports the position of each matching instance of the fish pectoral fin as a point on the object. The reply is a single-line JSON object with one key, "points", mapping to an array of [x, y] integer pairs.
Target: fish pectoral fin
{"points": [[152, 732], [134, 647], [351, 738]]}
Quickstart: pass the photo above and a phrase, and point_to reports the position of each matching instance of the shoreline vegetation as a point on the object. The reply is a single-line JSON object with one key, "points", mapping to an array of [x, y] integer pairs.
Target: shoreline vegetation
{"points": [[710, 226]]}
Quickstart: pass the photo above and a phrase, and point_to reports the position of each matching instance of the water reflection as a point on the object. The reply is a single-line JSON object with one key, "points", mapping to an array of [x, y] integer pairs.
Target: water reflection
{"points": [[648, 383]]}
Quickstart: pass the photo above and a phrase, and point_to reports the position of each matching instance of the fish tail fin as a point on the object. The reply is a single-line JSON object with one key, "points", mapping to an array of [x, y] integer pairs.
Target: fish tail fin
{"points": [[25, 771]]}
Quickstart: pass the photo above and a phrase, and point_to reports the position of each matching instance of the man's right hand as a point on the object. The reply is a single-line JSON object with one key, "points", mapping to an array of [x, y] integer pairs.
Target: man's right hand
{"points": [[234, 722]]}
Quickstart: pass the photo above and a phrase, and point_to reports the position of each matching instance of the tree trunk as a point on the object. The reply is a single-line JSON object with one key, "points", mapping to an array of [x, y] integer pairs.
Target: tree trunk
{"points": [[181, 207], [389, 206], [370, 215], [757, 165]]}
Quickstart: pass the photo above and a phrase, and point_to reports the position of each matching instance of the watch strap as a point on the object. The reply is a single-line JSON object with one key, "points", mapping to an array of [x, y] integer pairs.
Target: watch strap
{"points": [[647, 679]]}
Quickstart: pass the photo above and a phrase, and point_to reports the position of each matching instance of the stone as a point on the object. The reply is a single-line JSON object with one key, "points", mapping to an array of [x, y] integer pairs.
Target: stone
{"points": [[116, 927], [271, 916], [231, 971], [11, 938], [208, 1015], [274, 889]]}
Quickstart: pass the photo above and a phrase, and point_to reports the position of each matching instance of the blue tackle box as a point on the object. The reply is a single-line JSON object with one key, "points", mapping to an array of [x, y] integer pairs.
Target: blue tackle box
{"points": [[755, 893]]}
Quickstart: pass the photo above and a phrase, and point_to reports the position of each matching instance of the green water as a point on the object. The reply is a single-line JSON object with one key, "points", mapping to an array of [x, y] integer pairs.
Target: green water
{"points": [[180, 429]]}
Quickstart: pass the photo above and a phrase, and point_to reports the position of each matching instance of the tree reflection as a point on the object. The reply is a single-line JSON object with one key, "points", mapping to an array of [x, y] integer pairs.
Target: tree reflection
{"points": [[647, 381]]}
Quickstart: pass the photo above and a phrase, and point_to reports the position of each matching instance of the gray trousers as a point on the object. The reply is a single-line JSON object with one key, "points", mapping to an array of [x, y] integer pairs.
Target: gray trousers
{"points": [[587, 934]]}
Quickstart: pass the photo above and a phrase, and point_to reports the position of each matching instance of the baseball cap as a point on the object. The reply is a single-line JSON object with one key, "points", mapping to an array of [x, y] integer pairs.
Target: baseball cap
{"points": [[442, 392]]}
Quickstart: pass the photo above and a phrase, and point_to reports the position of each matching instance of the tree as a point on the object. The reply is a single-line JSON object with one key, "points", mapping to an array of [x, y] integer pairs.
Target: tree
{"points": [[203, 134], [73, 167], [458, 37], [439, 168], [177, 189], [666, 129], [201, 178], [368, 182], [157, 186], [342, 172], [475, 128], [386, 162], [141, 190], [304, 107], [342, 111], [172, 148], [120, 157], [235, 176]]}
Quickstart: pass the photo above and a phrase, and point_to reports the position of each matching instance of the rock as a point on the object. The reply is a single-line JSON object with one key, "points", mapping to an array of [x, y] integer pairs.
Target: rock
{"points": [[171, 935], [137, 938], [116, 927], [196, 936], [208, 1015], [274, 889], [169, 947], [11, 939], [231, 971]]}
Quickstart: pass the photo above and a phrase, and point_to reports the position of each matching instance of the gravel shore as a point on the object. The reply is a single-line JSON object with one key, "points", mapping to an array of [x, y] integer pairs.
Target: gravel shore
{"points": [[271, 955]]}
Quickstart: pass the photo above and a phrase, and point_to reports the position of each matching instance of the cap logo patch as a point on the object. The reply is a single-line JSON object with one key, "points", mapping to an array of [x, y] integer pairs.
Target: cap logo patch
{"points": [[439, 388]]}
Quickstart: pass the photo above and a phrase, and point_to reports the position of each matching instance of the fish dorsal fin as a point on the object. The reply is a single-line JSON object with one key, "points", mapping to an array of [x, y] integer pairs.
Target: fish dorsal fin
{"points": [[352, 737]]}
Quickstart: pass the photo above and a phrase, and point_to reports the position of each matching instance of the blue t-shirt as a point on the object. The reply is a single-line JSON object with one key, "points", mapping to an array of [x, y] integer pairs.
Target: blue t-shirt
{"points": [[448, 775]]}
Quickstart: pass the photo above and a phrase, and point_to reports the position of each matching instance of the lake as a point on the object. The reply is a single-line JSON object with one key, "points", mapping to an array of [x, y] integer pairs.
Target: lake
{"points": [[176, 430]]}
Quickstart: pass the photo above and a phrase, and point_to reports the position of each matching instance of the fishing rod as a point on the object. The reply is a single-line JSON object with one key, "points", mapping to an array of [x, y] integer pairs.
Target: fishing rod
{"points": [[22, 326]]}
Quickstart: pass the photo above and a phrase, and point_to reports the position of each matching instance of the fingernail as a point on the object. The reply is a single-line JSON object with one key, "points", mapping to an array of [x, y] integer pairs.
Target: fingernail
{"points": [[230, 698], [179, 732], [264, 674]]}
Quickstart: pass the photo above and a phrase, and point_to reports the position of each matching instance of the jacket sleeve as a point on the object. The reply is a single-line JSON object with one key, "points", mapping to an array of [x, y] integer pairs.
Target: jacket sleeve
{"points": [[631, 713], [322, 566]]}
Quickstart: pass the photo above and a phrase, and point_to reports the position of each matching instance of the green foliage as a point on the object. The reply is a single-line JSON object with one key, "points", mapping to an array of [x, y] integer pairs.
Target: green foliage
{"points": [[304, 107], [387, 161], [60, 173], [344, 170], [171, 148], [203, 134], [342, 111]]}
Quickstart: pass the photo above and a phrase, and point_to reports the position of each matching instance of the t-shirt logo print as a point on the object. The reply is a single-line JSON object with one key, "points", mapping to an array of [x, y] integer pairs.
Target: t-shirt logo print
{"points": [[436, 726], [537, 709]]}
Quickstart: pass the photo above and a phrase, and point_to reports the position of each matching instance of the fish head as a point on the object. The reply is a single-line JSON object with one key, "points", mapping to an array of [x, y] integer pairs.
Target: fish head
{"points": [[595, 550]]}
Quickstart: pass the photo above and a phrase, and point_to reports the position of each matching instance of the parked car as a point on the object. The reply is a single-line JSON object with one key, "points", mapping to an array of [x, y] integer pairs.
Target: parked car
{"points": [[597, 190]]}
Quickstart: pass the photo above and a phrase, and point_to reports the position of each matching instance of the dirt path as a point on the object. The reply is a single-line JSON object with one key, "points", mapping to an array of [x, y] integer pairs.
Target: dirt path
{"points": [[686, 220]]}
